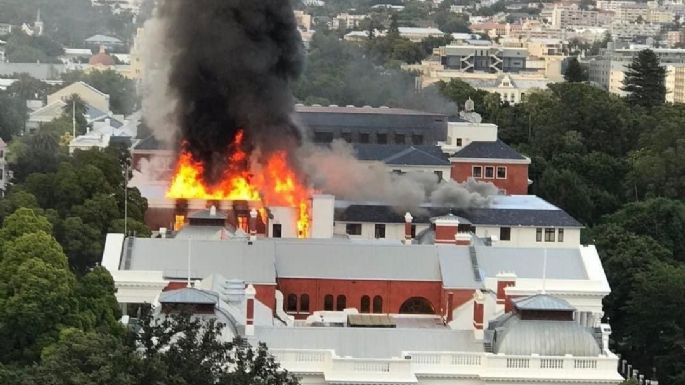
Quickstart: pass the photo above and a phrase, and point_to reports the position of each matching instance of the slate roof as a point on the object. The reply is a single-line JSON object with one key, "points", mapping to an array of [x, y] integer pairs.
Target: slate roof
{"points": [[477, 216], [400, 154], [149, 143], [542, 302], [488, 150]]}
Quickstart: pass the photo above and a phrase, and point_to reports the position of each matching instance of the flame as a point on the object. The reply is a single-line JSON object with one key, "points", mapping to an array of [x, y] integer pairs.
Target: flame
{"points": [[276, 184]]}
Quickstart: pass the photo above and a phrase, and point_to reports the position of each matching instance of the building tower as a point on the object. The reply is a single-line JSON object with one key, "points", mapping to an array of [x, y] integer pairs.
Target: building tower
{"points": [[38, 26]]}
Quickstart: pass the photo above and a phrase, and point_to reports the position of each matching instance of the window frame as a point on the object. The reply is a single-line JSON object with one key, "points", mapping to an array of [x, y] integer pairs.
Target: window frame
{"points": [[291, 303], [498, 170], [480, 172], [328, 302], [276, 233], [560, 234], [365, 304], [538, 234], [459, 142], [503, 231], [485, 174], [550, 234], [340, 302], [376, 228], [304, 303], [377, 304], [382, 136], [349, 226]]}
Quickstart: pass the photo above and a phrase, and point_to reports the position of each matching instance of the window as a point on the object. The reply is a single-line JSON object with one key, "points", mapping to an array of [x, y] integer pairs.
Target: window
{"points": [[366, 304], [379, 230], [549, 234], [346, 136], [328, 302], [477, 172], [276, 230], [439, 175], [489, 172], [417, 139], [560, 236], [501, 172], [382, 138], [399, 139], [304, 303], [378, 304], [458, 142], [413, 231], [353, 229], [505, 233], [340, 303], [538, 234], [323, 137], [364, 138], [291, 304]]}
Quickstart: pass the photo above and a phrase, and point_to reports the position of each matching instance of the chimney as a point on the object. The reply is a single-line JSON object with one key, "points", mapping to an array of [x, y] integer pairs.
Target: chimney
{"points": [[250, 294], [253, 225], [446, 229], [407, 228], [478, 313], [504, 280], [462, 239], [323, 207], [212, 211], [162, 232]]}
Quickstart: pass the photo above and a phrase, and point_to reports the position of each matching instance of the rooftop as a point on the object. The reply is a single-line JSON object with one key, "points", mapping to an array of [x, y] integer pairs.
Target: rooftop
{"points": [[399, 154], [542, 302], [489, 150]]}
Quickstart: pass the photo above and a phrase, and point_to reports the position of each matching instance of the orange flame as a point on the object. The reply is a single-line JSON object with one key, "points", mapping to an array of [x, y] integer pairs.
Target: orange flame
{"points": [[277, 184]]}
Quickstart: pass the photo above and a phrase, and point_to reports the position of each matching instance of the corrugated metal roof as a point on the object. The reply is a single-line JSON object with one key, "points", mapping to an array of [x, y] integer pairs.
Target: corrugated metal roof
{"points": [[542, 302], [368, 342], [456, 268], [188, 295], [528, 262], [546, 338]]}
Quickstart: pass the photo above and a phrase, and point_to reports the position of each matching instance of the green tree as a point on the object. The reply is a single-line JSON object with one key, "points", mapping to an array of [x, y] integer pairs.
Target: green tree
{"points": [[645, 80], [575, 73], [21, 222], [83, 243], [98, 306]]}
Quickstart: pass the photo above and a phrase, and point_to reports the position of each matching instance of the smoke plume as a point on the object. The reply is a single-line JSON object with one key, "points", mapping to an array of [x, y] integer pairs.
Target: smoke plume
{"points": [[336, 170], [231, 63]]}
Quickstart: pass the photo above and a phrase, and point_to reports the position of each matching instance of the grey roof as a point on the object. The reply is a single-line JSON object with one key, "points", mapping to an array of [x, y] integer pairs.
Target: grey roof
{"points": [[456, 268], [351, 260], [149, 143], [528, 262], [368, 342], [207, 214], [401, 154], [188, 295], [103, 39], [546, 338], [542, 302], [233, 259], [477, 216], [36, 70], [366, 110], [488, 150]]}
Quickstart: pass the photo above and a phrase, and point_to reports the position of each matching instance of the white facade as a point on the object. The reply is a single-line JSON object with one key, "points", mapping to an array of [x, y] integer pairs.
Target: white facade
{"points": [[520, 236], [461, 134]]}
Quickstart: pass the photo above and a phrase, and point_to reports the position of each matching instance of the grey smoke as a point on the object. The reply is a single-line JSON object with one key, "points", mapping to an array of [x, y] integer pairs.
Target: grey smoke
{"points": [[335, 170]]}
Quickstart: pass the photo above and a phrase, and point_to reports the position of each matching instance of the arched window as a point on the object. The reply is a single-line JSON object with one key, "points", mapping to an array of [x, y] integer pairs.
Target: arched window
{"points": [[304, 303], [291, 304], [417, 305], [341, 303], [378, 304], [328, 302], [366, 304]]}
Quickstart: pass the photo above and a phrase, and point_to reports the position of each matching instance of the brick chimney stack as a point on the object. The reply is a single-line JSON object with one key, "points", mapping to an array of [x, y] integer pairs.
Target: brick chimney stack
{"points": [[253, 225], [250, 294], [407, 228], [505, 280], [478, 313]]}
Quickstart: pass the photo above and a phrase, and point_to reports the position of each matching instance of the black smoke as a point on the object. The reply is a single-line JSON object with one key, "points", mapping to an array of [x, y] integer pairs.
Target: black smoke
{"points": [[232, 63]]}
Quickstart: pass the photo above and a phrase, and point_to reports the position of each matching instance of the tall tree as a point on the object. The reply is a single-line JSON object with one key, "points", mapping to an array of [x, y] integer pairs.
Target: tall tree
{"points": [[645, 80], [575, 72]]}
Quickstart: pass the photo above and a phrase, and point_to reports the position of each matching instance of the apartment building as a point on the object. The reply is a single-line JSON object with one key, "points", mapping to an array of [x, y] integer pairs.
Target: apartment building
{"points": [[494, 59], [570, 16]]}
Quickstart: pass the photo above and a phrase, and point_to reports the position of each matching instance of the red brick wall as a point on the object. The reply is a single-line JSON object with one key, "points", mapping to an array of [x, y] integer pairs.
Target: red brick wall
{"points": [[445, 234], [459, 297], [516, 182], [394, 293]]}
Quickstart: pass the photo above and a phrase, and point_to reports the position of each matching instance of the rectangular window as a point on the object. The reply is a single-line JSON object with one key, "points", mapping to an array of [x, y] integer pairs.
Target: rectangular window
{"points": [[353, 228], [276, 233], [538, 234], [417, 139], [458, 142], [323, 137], [413, 231], [501, 172], [379, 230], [560, 235], [549, 234], [382, 138], [505, 233], [477, 172], [439, 175], [346, 136], [364, 138], [399, 139], [489, 172]]}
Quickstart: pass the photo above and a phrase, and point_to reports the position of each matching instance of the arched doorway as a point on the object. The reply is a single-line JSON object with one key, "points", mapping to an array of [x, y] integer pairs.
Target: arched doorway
{"points": [[417, 305]]}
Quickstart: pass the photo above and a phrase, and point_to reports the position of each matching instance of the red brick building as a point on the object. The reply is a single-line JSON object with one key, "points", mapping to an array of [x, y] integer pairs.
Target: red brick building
{"points": [[493, 162]]}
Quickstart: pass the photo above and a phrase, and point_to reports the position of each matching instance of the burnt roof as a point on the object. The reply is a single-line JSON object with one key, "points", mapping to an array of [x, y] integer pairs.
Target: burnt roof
{"points": [[401, 154], [477, 216], [488, 150], [149, 143]]}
